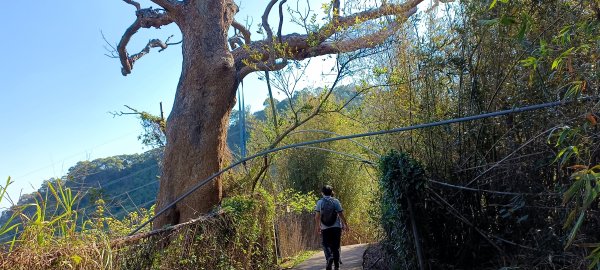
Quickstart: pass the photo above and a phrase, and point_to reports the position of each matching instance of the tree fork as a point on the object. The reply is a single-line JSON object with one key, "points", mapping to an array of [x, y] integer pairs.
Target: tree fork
{"points": [[197, 125]]}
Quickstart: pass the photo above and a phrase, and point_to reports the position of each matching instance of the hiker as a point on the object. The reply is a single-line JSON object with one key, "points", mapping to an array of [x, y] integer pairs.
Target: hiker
{"points": [[330, 222]]}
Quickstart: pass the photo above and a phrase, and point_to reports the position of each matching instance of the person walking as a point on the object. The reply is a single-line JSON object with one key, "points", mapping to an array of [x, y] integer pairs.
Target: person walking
{"points": [[330, 221]]}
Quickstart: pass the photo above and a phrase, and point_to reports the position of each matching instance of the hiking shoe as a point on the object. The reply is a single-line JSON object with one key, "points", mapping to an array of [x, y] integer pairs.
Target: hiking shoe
{"points": [[329, 264]]}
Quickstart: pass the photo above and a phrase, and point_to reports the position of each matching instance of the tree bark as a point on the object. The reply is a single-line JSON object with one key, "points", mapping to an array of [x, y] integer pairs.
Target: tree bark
{"points": [[197, 125]]}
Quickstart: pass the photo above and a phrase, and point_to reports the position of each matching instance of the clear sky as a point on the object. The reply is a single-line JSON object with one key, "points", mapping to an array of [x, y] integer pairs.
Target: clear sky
{"points": [[58, 87]]}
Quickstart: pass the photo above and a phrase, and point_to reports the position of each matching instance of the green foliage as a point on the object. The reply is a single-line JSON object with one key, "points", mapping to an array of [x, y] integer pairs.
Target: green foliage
{"points": [[571, 54], [587, 186], [290, 263], [124, 183], [577, 152], [494, 2], [54, 235], [402, 178], [306, 170], [8, 226], [253, 226], [472, 57], [154, 130], [297, 202], [154, 127], [239, 238]]}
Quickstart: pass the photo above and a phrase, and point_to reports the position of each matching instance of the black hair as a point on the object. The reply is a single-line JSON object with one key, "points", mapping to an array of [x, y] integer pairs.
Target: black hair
{"points": [[327, 190]]}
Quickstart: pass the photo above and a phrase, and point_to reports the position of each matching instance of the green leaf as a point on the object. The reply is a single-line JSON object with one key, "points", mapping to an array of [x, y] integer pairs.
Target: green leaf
{"points": [[76, 259], [543, 48], [508, 20], [574, 90], [570, 218], [525, 26], [493, 4], [556, 63], [577, 186], [575, 229], [489, 22], [529, 62], [565, 154], [563, 135]]}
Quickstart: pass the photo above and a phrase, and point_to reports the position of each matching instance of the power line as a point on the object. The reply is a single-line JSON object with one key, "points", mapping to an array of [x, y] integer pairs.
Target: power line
{"points": [[493, 191], [395, 130]]}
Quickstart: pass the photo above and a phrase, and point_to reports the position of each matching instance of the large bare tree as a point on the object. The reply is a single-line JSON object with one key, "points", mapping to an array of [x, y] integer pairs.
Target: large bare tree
{"points": [[213, 66]]}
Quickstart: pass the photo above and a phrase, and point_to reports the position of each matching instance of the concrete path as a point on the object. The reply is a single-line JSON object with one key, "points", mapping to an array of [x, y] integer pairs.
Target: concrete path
{"points": [[352, 258]]}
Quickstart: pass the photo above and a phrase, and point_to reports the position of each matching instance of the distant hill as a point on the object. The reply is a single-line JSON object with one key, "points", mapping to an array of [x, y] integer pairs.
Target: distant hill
{"points": [[128, 182], [124, 182]]}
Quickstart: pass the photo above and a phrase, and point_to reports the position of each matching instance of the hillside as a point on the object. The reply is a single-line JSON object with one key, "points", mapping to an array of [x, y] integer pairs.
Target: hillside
{"points": [[124, 182]]}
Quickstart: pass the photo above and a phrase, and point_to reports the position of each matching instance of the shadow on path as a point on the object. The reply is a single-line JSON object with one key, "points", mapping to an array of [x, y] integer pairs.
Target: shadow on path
{"points": [[352, 258]]}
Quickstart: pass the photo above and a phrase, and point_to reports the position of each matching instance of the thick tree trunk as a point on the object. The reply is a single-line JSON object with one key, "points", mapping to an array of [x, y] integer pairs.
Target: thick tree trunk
{"points": [[197, 126]]}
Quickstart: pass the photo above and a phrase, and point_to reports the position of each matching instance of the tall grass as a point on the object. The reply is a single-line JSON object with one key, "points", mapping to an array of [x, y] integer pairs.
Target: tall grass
{"points": [[9, 226], [51, 233]]}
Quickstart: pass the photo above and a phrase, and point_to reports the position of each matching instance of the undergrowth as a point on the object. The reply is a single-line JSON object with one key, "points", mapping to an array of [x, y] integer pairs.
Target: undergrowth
{"points": [[58, 236]]}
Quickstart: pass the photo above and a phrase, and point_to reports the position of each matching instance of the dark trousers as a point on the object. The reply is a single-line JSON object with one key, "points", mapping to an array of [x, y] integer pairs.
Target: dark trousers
{"points": [[331, 243]]}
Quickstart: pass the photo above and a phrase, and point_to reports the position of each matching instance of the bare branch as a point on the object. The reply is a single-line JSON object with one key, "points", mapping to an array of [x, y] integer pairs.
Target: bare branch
{"points": [[265, 20], [121, 113], [436, 3], [146, 18], [134, 3], [343, 23], [112, 52], [122, 50], [300, 47], [172, 43], [280, 20], [169, 5], [315, 112], [272, 101], [245, 32], [349, 45], [260, 67], [153, 43], [136, 237]]}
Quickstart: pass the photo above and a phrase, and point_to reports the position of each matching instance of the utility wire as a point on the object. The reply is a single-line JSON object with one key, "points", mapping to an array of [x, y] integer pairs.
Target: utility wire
{"points": [[374, 133], [540, 194]]}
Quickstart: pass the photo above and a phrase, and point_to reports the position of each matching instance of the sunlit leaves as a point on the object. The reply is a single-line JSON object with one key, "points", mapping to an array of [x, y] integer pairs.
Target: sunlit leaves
{"points": [[494, 2], [584, 191]]}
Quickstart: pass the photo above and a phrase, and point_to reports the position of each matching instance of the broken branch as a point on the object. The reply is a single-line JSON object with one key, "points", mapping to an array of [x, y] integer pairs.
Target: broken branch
{"points": [[146, 18], [134, 3]]}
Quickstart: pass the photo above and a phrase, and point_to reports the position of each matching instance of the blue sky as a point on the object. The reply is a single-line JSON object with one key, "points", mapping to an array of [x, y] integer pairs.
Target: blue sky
{"points": [[58, 87]]}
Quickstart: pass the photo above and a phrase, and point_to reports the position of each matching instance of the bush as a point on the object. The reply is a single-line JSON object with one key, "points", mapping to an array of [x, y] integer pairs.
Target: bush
{"points": [[401, 182]]}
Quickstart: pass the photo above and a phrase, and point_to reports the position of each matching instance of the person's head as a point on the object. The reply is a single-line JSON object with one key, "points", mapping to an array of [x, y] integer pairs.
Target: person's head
{"points": [[327, 190]]}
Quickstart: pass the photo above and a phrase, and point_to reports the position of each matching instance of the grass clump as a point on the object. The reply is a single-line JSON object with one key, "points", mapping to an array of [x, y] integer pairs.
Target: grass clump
{"points": [[52, 234]]}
